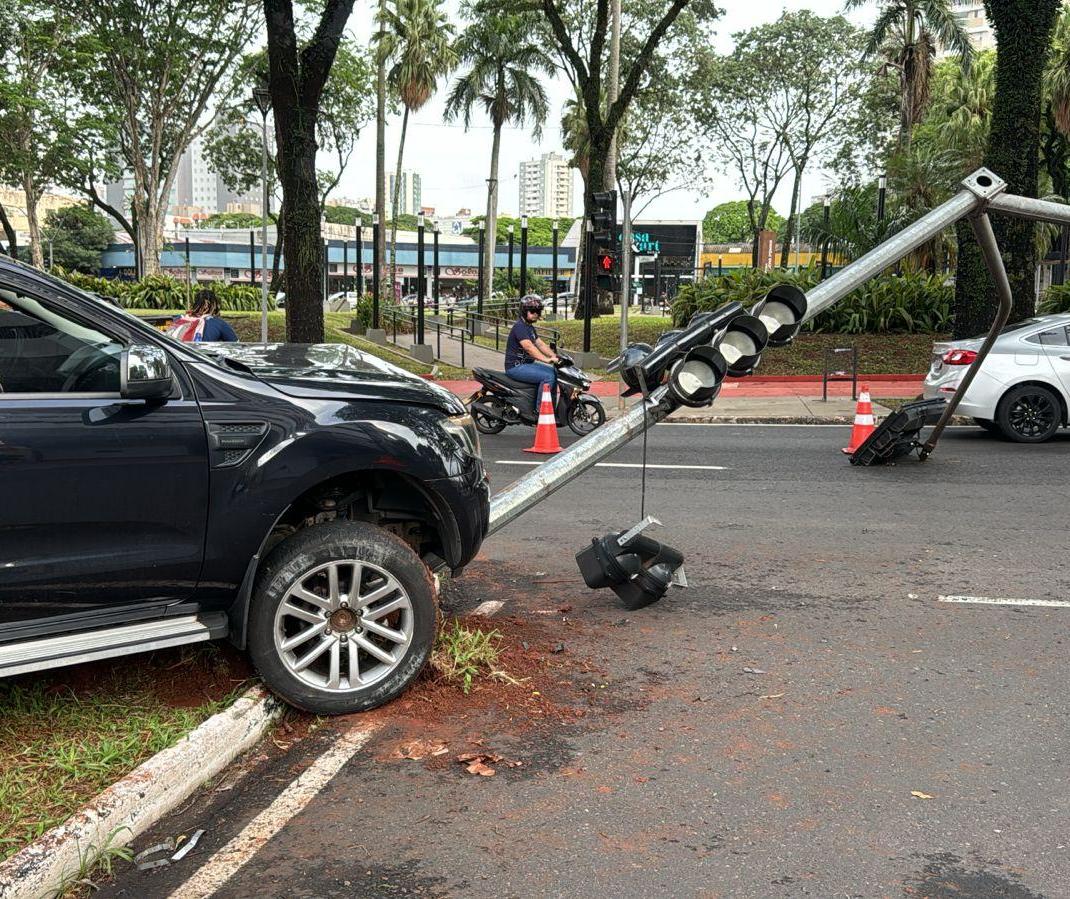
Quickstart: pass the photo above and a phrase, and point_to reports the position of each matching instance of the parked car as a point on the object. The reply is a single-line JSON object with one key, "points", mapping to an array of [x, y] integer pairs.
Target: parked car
{"points": [[294, 499], [1022, 389], [342, 301]]}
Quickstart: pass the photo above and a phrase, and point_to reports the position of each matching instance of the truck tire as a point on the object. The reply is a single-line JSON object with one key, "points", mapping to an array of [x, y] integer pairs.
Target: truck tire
{"points": [[343, 618]]}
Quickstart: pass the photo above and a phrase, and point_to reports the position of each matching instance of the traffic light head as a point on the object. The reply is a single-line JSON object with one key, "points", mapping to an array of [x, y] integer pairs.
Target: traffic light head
{"points": [[604, 218]]}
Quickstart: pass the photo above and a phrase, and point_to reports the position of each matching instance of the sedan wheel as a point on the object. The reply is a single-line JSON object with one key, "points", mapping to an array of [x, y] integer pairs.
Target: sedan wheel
{"points": [[1029, 414]]}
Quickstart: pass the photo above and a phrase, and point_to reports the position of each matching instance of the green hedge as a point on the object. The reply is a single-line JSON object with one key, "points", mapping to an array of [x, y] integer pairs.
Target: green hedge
{"points": [[911, 303], [165, 292]]}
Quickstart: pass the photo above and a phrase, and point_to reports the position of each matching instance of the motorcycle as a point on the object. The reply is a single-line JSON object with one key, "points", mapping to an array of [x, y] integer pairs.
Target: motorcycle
{"points": [[501, 401]]}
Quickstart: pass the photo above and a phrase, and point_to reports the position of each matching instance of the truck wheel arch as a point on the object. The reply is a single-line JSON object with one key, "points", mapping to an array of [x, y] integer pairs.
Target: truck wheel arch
{"points": [[415, 504]]}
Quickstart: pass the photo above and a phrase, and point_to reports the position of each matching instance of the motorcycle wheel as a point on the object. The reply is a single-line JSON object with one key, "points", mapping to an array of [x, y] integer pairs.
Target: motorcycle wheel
{"points": [[487, 425], [585, 415]]}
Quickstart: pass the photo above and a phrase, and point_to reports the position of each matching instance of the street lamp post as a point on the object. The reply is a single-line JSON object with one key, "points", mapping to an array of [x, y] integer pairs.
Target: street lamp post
{"points": [[510, 273], [435, 269], [825, 242], [262, 98], [553, 268], [480, 271], [420, 280], [360, 257], [376, 225], [523, 255]]}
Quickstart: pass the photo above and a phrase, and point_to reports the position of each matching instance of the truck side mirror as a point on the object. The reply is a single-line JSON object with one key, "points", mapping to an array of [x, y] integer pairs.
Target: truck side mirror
{"points": [[145, 373]]}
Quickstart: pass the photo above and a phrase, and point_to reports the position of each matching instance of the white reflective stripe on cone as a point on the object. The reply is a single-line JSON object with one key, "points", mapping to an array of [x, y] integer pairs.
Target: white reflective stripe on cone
{"points": [[863, 419]]}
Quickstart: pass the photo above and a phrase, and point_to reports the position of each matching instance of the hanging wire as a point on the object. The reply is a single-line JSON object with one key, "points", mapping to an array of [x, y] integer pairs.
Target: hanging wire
{"points": [[646, 427]]}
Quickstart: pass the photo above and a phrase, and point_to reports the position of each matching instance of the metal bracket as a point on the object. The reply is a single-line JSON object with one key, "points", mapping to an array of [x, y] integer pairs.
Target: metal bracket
{"points": [[985, 185], [629, 535]]}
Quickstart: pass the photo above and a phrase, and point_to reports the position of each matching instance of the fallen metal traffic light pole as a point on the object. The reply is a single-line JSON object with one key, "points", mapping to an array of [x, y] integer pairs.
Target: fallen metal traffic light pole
{"points": [[687, 368]]}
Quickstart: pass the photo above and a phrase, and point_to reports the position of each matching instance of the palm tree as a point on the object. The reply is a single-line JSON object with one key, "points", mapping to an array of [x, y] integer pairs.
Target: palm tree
{"points": [[905, 35], [1058, 74], [503, 63], [416, 41]]}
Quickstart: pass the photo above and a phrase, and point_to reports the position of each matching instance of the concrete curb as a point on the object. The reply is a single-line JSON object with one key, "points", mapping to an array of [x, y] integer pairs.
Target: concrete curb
{"points": [[129, 807]]}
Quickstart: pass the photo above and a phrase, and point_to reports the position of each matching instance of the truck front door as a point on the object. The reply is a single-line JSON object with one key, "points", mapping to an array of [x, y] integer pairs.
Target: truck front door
{"points": [[103, 500]]}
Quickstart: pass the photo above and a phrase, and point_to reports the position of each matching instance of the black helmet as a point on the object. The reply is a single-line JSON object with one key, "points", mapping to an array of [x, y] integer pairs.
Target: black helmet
{"points": [[530, 303]]}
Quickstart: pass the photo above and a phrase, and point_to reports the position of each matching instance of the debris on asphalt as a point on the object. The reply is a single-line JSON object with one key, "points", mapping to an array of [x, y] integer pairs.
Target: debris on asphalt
{"points": [[420, 749], [753, 671], [772, 695], [187, 848], [480, 762], [557, 647], [734, 648], [565, 609], [918, 794], [144, 859]]}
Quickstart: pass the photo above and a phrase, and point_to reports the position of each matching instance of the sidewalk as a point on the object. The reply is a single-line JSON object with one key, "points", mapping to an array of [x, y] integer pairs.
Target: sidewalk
{"points": [[763, 400]]}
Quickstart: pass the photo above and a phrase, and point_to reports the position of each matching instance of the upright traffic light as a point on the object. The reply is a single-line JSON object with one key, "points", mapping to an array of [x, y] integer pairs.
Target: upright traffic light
{"points": [[605, 239]]}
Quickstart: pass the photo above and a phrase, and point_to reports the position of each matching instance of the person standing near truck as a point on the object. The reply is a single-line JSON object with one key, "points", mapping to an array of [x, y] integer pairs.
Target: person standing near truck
{"points": [[527, 357]]}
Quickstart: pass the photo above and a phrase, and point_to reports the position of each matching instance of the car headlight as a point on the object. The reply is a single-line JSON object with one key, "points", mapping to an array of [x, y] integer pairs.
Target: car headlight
{"points": [[462, 429]]}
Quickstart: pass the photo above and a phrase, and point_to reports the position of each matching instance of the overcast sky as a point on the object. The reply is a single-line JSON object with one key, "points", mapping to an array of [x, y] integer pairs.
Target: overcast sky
{"points": [[454, 163]]}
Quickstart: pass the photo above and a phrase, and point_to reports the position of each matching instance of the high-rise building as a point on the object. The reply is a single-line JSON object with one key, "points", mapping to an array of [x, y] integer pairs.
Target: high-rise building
{"points": [[972, 17], [411, 197], [546, 186], [196, 187]]}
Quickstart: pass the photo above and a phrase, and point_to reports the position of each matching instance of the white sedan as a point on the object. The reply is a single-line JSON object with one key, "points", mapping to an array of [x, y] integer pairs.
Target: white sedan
{"points": [[1023, 387]]}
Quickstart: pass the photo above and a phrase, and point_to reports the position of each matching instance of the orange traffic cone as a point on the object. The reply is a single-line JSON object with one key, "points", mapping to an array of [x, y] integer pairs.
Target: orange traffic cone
{"points": [[546, 430], [863, 421]]}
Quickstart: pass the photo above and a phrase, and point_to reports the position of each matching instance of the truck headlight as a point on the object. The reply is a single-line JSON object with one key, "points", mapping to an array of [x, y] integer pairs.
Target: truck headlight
{"points": [[462, 429]]}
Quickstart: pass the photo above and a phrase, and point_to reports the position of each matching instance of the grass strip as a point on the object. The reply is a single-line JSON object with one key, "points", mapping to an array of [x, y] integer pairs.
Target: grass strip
{"points": [[69, 734]]}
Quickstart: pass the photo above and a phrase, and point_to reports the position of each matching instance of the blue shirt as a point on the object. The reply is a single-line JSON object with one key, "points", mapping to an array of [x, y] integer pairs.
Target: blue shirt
{"points": [[514, 352]]}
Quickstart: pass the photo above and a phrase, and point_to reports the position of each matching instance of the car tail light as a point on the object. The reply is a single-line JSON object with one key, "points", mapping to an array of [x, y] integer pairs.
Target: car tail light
{"points": [[960, 357]]}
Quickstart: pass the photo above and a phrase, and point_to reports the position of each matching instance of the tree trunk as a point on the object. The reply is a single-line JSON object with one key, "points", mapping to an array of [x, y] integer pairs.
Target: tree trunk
{"points": [[150, 236], [1023, 28], [490, 243], [395, 210], [37, 256], [380, 157], [789, 227], [301, 231], [280, 247], [9, 233]]}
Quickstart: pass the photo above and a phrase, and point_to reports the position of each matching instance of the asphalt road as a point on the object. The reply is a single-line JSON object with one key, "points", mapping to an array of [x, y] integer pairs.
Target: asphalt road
{"points": [[806, 719]]}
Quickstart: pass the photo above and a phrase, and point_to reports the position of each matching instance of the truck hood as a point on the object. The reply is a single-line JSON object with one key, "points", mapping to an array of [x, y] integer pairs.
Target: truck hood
{"points": [[334, 371]]}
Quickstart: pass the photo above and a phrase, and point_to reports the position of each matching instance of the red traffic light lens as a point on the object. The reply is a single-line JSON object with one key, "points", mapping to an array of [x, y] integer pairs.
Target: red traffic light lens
{"points": [[605, 262]]}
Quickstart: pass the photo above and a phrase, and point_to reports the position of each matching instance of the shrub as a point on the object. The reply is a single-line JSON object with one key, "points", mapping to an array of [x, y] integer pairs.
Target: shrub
{"points": [[1055, 299], [236, 297], [910, 303], [156, 292]]}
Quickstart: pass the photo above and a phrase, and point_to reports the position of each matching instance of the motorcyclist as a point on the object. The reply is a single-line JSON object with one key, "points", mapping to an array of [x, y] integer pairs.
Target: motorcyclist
{"points": [[527, 357]]}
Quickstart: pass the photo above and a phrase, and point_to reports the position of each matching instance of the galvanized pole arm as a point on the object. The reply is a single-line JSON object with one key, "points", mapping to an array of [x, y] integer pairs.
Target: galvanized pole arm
{"points": [[986, 238], [1028, 208]]}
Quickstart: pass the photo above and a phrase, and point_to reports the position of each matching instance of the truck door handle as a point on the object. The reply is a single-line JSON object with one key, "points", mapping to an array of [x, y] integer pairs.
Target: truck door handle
{"points": [[1065, 358]]}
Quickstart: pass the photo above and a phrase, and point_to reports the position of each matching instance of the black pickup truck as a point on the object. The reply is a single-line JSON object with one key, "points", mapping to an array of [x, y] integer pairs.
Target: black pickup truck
{"points": [[296, 499]]}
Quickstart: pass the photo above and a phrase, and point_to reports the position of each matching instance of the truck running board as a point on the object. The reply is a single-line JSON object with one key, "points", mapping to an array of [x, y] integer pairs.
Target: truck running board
{"points": [[106, 643]]}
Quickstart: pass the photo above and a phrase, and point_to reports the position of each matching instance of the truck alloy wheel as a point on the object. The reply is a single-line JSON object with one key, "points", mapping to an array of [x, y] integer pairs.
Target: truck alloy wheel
{"points": [[343, 619]]}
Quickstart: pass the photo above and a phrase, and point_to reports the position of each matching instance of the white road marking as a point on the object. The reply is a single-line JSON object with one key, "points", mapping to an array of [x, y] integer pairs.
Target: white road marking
{"points": [[290, 802], [623, 465], [1002, 601]]}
